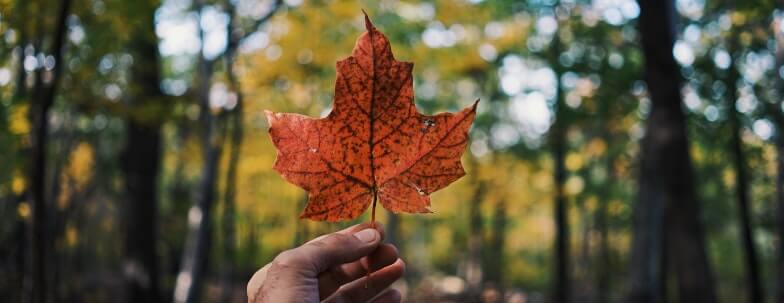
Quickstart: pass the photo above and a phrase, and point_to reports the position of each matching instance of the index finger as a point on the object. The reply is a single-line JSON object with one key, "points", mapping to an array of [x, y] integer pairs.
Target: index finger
{"points": [[353, 229]]}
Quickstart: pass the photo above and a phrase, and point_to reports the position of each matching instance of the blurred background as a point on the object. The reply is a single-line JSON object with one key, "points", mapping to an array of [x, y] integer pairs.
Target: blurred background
{"points": [[623, 151]]}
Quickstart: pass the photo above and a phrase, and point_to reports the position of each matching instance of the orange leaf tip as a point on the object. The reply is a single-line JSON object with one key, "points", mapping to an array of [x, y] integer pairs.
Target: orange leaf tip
{"points": [[368, 24]]}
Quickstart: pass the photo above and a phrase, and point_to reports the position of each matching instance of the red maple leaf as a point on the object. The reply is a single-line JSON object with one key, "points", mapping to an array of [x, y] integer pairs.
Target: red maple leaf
{"points": [[373, 144]]}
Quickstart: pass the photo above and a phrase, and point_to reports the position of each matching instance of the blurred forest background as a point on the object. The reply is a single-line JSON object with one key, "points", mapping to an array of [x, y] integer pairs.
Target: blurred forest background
{"points": [[624, 151]]}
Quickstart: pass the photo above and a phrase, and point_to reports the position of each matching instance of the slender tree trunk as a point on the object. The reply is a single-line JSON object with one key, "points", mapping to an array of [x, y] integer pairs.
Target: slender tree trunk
{"points": [[20, 226], [754, 285], [197, 246], [42, 100], [562, 288], [141, 160], [141, 164], [237, 117], [666, 188], [229, 212], [198, 241], [181, 198]]}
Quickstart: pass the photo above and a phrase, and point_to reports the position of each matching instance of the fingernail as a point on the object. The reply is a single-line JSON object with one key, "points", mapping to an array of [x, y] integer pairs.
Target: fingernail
{"points": [[367, 235]]}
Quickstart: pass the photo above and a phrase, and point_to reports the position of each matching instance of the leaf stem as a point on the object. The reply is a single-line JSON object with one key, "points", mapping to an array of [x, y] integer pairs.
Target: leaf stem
{"points": [[372, 225], [373, 210]]}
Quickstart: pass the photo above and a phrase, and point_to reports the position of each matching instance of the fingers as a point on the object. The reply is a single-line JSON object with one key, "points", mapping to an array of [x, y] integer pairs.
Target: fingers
{"points": [[333, 278], [357, 292], [353, 229], [334, 249]]}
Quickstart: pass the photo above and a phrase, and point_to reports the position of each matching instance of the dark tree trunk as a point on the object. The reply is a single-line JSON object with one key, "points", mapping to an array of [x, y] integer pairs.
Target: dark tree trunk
{"points": [[141, 160], [198, 241], [141, 164], [753, 283], [667, 195], [562, 288], [42, 100], [19, 252]]}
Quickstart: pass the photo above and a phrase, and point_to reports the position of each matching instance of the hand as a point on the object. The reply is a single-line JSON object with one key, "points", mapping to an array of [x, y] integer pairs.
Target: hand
{"points": [[332, 268]]}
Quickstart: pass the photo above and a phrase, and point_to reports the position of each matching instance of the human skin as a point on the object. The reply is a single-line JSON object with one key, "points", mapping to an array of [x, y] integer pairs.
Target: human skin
{"points": [[332, 268]]}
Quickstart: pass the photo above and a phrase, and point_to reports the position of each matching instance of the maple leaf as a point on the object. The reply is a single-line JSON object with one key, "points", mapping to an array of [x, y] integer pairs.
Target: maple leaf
{"points": [[373, 144]]}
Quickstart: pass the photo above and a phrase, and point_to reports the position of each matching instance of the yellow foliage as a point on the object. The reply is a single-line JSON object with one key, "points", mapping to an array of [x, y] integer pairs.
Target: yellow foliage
{"points": [[574, 161], [80, 166], [77, 173], [543, 180], [18, 184], [19, 124]]}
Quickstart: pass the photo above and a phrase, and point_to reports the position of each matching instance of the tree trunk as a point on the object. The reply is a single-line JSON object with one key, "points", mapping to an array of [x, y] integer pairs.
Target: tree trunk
{"points": [[754, 285], [562, 288], [21, 250], [198, 241], [666, 188], [141, 164], [237, 117], [229, 213], [141, 160], [197, 244], [42, 100]]}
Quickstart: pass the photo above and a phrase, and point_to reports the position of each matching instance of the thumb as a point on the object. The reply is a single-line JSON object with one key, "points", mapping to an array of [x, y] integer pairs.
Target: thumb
{"points": [[334, 249]]}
